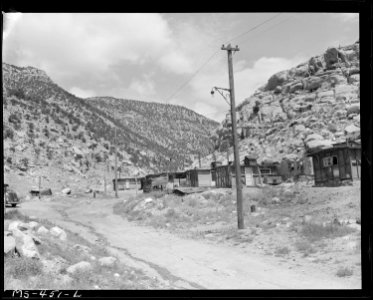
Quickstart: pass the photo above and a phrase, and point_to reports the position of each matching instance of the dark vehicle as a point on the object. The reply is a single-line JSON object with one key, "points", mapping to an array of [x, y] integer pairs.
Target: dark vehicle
{"points": [[10, 197]]}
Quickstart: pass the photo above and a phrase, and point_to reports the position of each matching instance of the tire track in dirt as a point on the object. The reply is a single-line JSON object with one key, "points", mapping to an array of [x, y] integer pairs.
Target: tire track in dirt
{"points": [[151, 268]]}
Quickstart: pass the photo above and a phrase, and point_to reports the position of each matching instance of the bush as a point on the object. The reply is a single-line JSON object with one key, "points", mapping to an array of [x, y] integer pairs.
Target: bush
{"points": [[21, 267], [282, 251], [316, 232], [8, 133], [343, 272]]}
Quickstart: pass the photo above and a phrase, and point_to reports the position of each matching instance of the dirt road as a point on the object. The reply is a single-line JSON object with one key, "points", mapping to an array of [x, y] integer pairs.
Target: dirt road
{"points": [[180, 263]]}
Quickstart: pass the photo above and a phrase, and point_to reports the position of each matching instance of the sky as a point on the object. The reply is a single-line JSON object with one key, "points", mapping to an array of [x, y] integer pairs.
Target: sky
{"points": [[173, 58]]}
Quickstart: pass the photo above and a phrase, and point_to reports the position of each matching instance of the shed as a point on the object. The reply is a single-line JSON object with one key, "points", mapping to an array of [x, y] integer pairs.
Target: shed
{"points": [[198, 177], [127, 183], [337, 165]]}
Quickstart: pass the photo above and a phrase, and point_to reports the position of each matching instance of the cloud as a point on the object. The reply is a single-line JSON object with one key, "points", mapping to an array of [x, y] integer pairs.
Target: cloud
{"points": [[143, 87], [247, 80], [81, 93], [10, 19]]}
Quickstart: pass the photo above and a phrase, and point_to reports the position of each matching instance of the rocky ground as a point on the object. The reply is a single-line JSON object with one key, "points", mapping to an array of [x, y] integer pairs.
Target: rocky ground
{"points": [[298, 236], [35, 250], [297, 225]]}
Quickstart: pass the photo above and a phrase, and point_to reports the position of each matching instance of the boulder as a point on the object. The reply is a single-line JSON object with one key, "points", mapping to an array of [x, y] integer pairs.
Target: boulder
{"points": [[32, 225], [276, 80], [25, 244], [275, 200], [353, 109], [14, 225], [312, 83], [325, 94], [107, 261], [66, 191], [58, 232], [315, 64], [331, 57], [9, 245], [296, 87], [355, 78], [80, 266], [42, 230], [148, 200]]}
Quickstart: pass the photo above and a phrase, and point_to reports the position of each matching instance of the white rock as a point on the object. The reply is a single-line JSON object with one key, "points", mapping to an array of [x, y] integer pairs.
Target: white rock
{"points": [[25, 244], [42, 230], [66, 191], [352, 245], [355, 226], [9, 244], [148, 200], [81, 266], [107, 261], [116, 275], [58, 232], [275, 200], [93, 257], [14, 225], [33, 225]]}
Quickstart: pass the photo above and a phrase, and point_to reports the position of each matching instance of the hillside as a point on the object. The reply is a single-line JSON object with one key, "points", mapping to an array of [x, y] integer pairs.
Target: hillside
{"points": [[45, 126], [307, 107]]}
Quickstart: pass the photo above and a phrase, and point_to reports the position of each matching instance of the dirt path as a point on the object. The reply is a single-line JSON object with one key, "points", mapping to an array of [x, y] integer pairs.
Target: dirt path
{"points": [[180, 263]]}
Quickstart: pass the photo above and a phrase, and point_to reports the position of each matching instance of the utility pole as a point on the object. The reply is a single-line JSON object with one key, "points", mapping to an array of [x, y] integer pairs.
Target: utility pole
{"points": [[240, 219], [115, 167], [39, 187]]}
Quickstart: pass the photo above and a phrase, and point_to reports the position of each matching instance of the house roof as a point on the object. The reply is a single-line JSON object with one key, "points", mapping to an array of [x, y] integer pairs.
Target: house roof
{"points": [[342, 145]]}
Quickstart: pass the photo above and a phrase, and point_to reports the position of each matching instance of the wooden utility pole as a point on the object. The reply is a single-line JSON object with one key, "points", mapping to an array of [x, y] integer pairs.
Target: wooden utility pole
{"points": [[39, 187], [115, 166], [240, 219]]}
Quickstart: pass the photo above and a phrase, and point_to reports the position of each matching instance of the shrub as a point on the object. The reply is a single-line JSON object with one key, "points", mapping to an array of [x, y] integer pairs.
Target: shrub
{"points": [[8, 133], [21, 267], [9, 160], [315, 232], [282, 251], [343, 272]]}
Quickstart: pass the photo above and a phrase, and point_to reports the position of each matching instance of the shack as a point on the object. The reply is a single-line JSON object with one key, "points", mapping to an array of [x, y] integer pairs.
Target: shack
{"points": [[269, 171], [251, 171], [127, 183], [337, 165], [198, 177]]}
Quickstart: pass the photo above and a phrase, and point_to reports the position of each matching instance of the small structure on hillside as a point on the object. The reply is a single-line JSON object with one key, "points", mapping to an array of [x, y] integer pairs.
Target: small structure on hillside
{"points": [[337, 165], [269, 171], [198, 177], [127, 183]]}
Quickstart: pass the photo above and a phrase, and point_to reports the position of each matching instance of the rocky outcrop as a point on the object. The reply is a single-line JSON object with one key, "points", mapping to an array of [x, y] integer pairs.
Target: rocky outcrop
{"points": [[307, 107]]}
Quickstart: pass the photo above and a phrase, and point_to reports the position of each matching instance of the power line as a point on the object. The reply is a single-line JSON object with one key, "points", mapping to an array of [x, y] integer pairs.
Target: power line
{"points": [[209, 59], [253, 28]]}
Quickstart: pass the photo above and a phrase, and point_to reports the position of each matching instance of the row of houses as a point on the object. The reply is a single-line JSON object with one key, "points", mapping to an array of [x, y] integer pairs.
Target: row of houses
{"points": [[329, 167]]}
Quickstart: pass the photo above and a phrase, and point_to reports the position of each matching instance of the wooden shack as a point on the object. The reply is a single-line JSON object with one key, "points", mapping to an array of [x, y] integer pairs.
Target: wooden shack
{"points": [[269, 172], [127, 183], [198, 177], [337, 165]]}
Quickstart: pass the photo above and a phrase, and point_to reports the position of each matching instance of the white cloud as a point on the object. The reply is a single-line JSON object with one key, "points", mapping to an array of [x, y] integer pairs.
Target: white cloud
{"points": [[144, 87], [81, 93], [246, 79], [10, 19]]}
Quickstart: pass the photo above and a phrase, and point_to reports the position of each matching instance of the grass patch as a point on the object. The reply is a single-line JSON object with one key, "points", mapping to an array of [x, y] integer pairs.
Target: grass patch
{"points": [[305, 247], [15, 214], [315, 232], [22, 267], [282, 251], [344, 272]]}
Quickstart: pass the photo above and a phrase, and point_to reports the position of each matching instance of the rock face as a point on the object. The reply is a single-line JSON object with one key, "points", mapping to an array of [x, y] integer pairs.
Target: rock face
{"points": [[307, 107]]}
